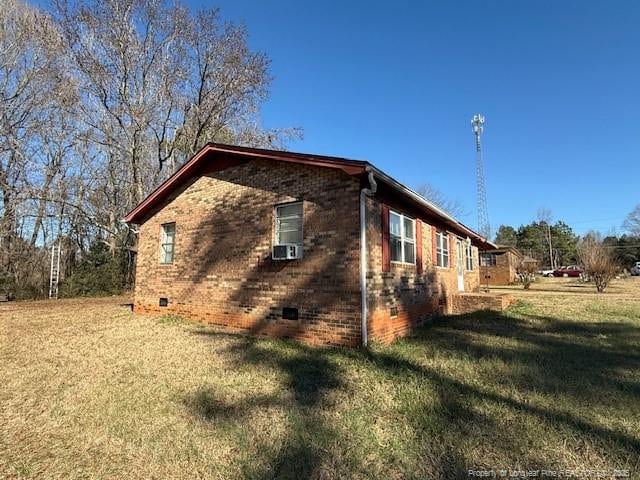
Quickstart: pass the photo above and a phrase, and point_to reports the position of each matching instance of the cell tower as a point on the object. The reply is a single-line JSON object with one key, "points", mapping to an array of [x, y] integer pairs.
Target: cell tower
{"points": [[484, 228]]}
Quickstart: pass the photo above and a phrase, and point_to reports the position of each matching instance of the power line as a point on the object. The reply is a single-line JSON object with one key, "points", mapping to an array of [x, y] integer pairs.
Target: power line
{"points": [[594, 220]]}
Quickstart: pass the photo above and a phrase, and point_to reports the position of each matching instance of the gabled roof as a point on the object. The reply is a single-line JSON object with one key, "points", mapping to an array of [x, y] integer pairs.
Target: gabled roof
{"points": [[216, 156], [506, 248]]}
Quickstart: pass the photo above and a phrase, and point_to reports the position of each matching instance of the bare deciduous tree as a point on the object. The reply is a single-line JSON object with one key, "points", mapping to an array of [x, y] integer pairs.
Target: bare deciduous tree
{"points": [[125, 57], [632, 222], [101, 101], [34, 93], [440, 200], [597, 261], [158, 83]]}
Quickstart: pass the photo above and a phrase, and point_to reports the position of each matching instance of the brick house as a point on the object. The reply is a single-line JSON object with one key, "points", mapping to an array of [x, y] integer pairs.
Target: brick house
{"points": [[499, 266], [210, 237]]}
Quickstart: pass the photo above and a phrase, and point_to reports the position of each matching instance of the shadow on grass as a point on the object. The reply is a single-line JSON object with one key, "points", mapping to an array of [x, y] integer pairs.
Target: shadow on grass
{"points": [[553, 416], [587, 290], [577, 363], [310, 376]]}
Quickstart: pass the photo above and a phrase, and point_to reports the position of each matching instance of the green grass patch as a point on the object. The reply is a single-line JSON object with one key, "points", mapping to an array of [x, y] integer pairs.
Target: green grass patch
{"points": [[171, 319]]}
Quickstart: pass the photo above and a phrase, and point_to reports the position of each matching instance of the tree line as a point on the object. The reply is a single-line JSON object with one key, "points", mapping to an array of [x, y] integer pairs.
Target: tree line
{"points": [[100, 102], [533, 239], [557, 244]]}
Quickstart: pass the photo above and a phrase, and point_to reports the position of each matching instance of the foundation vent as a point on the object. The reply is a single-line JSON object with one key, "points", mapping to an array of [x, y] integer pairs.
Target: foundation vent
{"points": [[289, 313]]}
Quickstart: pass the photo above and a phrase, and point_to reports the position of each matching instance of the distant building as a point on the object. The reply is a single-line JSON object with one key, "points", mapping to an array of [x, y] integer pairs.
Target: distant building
{"points": [[499, 266]]}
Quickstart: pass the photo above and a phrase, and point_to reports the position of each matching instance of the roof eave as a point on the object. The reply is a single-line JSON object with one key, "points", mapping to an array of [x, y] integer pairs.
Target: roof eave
{"points": [[134, 215], [429, 205], [351, 167]]}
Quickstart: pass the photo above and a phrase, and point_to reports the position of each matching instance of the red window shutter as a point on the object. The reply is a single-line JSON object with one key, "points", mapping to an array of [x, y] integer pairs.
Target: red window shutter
{"points": [[434, 251], [452, 251], [418, 246], [386, 258]]}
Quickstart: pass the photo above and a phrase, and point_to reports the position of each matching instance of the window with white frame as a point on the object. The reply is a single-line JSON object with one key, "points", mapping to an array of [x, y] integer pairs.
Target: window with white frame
{"points": [[289, 223], [442, 249], [488, 260], [167, 242], [469, 256], [402, 236]]}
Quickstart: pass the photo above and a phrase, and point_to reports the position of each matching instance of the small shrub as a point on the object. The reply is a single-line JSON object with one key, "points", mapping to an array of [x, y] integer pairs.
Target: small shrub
{"points": [[527, 273], [100, 273]]}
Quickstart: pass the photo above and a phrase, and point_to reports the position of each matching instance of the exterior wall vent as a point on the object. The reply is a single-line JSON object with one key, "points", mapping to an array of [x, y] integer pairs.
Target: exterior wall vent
{"points": [[287, 251], [289, 313]]}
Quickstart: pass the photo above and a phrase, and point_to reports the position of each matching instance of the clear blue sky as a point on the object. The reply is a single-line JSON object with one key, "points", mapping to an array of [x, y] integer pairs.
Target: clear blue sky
{"points": [[396, 83]]}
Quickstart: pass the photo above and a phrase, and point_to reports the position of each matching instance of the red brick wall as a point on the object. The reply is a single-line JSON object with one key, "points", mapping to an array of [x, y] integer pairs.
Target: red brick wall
{"points": [[416, 296], [221, 273], [471, 302]]}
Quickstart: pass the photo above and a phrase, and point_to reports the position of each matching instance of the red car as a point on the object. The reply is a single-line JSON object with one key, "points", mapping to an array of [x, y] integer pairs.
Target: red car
{"points": [[570, 271]]}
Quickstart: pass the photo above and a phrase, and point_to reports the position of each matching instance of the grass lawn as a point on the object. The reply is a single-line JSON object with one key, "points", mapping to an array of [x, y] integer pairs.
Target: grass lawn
{"points": [[89, 390]]}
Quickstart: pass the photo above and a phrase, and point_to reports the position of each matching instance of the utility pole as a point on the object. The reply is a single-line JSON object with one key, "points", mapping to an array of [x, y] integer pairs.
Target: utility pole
{"points": [[484, 228], [550, 248]]}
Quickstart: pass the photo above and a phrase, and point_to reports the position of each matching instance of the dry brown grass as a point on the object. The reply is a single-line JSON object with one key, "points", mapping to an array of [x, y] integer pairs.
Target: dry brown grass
{"points": [[623, 288], [569, 298], [92, 391]]}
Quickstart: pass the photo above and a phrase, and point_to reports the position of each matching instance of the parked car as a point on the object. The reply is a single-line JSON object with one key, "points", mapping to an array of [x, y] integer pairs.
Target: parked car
{"points": [[545, 273], [6, 296], [635, 270], [568, 271]]}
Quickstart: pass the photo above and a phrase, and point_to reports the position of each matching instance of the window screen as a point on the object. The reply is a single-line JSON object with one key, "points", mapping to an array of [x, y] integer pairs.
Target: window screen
{"points": [[167, 242], [442, 249], [469, 256], [289, 223], [488, 259], [402, 235]]}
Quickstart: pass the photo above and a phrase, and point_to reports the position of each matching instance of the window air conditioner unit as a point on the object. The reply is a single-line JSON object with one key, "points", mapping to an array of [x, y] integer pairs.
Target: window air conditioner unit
{"points": [[287, 251]]}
